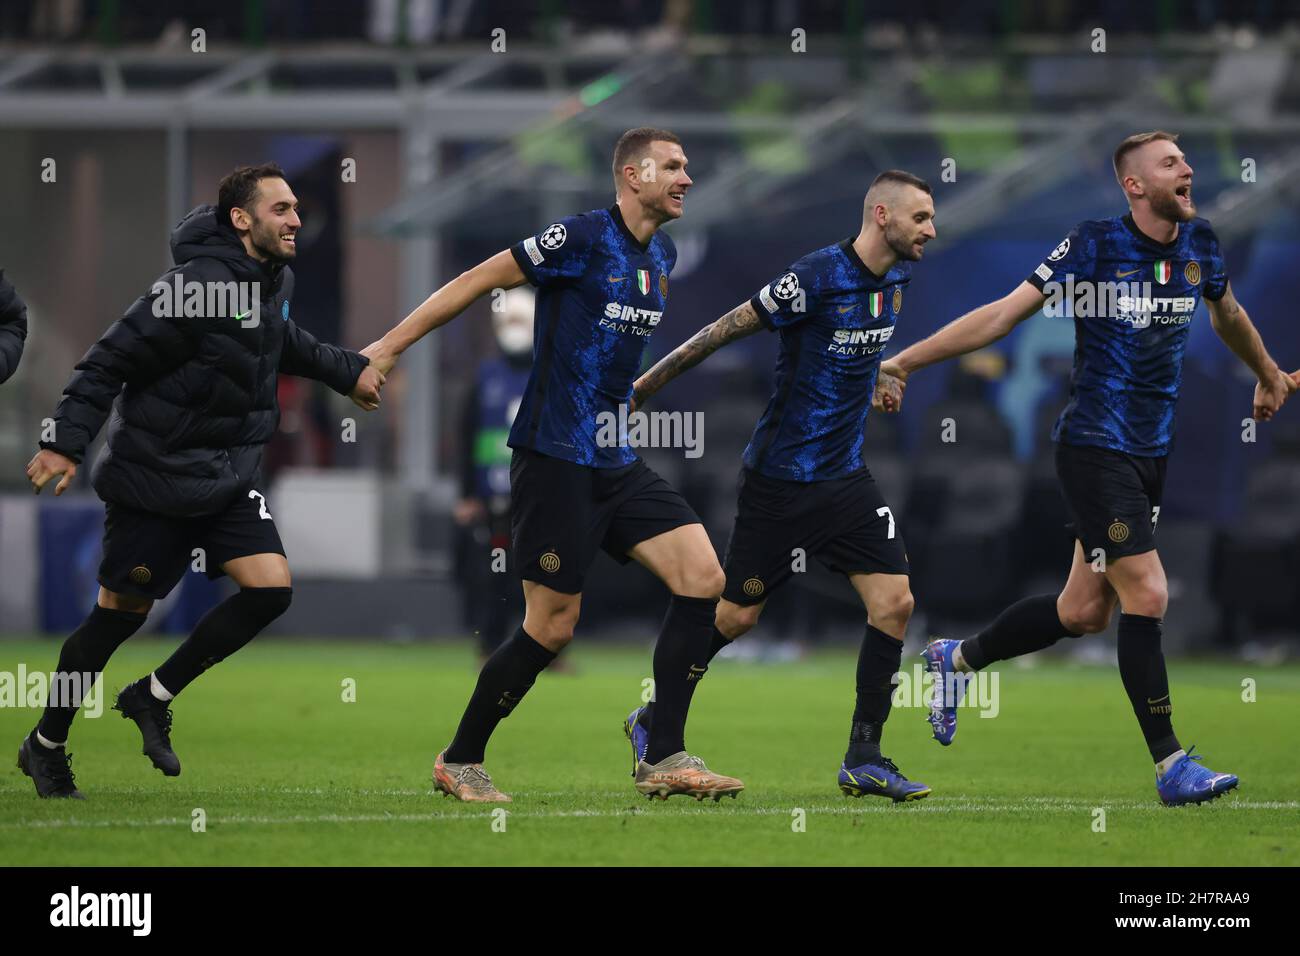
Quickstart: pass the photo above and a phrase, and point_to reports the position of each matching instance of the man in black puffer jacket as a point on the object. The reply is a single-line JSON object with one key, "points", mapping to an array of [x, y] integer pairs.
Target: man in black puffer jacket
{"points": [[189, 376], [13, 328]]}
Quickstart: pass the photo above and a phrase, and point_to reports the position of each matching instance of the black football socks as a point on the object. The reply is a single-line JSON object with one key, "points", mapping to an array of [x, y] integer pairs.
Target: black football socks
{"points": [[222, 631], [647, 717], [1027, 626], [502, 683], [878, 662], [86, 651], [1142, 669], [681, 657]]}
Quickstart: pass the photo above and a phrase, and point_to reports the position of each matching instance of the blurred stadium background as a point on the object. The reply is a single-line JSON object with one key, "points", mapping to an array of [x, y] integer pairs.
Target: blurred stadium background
{"points": [[459, 150]]}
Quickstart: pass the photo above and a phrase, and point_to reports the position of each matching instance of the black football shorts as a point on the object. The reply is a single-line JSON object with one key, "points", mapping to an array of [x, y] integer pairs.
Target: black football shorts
{"points": [[562, 514], [844, 523], [147, 554], [1113, 498]]}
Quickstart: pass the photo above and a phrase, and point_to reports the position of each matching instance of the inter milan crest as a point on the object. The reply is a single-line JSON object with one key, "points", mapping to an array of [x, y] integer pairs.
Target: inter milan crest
{"points": [[898, 300], [1163, 271], [663, 285], [1192, 273]]}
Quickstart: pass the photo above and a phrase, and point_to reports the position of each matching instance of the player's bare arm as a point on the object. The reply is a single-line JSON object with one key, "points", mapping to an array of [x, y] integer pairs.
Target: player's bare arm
{"points": [[736, 324], [499, 272], [972, 331], [1233, 325]]}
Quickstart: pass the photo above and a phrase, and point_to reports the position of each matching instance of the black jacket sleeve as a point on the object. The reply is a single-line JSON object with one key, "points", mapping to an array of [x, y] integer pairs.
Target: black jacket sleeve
{"points": [[137, 348], [13, 328], [302, 355]]}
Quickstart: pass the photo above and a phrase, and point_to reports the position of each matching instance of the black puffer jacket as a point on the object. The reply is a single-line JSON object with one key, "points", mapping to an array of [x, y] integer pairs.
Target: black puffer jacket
{"points": [[193, 400], [13, 328]]}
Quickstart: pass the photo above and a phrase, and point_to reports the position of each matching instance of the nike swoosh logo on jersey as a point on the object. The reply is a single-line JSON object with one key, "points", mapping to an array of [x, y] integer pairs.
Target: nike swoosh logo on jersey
{"points": [[1125, 275], [616, 278], [847, 308]]}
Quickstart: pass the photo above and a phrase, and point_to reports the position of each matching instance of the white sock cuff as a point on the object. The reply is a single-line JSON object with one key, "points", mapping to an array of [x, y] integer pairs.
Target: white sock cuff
{"points": [[158, 690]]}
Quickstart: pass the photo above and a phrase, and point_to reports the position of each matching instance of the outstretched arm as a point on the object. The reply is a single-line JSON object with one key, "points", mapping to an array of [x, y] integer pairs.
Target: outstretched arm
{"points": [[736, 324], [499, 272], [343, 370], [972, 331], [1233, 325]]}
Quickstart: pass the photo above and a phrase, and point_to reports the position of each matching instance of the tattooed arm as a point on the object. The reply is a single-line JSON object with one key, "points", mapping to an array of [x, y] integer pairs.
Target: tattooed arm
{"points": [[1233, 325], [736, 324]]}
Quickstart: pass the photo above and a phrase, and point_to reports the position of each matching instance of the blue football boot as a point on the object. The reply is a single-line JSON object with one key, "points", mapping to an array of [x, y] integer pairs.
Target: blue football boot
{"points": [[1189, 782], [638, 734], [947, 691], [880, 778]]}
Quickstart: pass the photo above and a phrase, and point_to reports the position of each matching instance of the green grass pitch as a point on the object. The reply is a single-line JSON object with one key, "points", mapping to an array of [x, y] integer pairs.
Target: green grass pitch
{"points": [[286, 772]]}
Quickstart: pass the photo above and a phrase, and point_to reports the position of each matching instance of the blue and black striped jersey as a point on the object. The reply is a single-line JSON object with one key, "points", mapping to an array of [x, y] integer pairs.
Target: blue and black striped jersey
{"points": [[600, 295], [834, 316], [1133, 300]]}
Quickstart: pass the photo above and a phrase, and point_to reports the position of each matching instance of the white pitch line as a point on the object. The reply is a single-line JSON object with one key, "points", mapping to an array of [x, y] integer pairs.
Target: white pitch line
{"points": [[741, 810]]}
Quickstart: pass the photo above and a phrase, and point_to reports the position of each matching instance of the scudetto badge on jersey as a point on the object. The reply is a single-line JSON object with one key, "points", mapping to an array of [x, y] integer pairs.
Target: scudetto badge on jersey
{"points": [[875, 302], [1163, 271], [643, 281]]}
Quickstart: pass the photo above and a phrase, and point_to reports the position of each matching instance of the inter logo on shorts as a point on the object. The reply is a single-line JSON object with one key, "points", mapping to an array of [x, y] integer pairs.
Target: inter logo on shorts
{"points": [[643, 281], [549, 562], [1192, 273], [1162, 271], [1118, 532], [898, 300], [875, 302], [753, 587], [140, 575]]}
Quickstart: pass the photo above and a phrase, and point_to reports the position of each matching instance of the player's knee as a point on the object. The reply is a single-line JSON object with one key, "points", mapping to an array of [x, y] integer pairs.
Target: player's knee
{"points": [[1090, 618], [734, 620], [897, 609], [713, 581], [1151, 599], [555, 635], [553, 629], [124, 602], [699, 579]]}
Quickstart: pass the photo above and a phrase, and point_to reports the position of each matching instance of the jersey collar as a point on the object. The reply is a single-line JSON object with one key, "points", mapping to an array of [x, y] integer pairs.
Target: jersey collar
{"points": [[853, 257], [617, 215], [1163, 246]]}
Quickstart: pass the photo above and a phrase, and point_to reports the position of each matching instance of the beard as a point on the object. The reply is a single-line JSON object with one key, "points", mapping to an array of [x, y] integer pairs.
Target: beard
{"points": [[267, 241], [900, 243], [1166, 205]]}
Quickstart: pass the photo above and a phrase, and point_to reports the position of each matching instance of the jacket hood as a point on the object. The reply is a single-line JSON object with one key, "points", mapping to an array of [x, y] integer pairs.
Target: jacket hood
{"points": [[201, 235]]}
